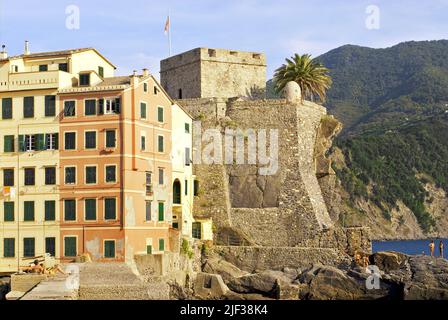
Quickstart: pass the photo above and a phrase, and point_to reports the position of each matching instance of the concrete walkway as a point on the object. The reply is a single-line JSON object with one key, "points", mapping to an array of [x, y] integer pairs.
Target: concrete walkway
{"points": [[55, 288]]}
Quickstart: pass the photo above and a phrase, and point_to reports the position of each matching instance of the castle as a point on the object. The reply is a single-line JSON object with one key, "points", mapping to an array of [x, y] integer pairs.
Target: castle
{"points": [[262, 221]]}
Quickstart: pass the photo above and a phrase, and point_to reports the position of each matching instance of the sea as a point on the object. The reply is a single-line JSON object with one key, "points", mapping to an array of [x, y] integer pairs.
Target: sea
{"points": [[410, 247]]}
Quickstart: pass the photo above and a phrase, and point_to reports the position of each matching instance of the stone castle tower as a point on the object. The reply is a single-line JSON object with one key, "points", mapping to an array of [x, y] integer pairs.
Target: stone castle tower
{"points": [[262, 221], [214, 73]]}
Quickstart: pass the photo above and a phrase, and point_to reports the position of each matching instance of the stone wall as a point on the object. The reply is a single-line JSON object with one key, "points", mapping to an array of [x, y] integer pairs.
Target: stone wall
{"points": [[206, 73]]}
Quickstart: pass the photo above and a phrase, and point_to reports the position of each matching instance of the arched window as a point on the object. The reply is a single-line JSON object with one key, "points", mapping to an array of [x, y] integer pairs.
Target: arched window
{"points": [[176, 192]]}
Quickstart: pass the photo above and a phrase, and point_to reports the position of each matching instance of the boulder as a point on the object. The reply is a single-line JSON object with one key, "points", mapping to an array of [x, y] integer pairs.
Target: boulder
{"points": [[225, 269], [210, 286], [264, 282], [388, 261]]}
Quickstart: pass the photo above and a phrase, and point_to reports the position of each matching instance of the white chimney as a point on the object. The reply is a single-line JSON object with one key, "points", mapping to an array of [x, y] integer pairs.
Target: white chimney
{"points": [[134, 78], [27, 47], [3, 53], [145, 72]]}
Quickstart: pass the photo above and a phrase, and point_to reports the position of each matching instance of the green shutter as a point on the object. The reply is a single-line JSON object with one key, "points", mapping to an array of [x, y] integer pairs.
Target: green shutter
{"points": [[90, 209], [109, 249], [8, 211], [110, 209], [56, 141], [160, 114], [28, 211], [21, 142], [161, 211], [69, 210], [117, 105], [50, 210], [70, 246], [161, 244], [160, 144], [148, 249], [29, 247], [143, 110], [9, 245], [101, 106], [40, 142], [8, 144]]}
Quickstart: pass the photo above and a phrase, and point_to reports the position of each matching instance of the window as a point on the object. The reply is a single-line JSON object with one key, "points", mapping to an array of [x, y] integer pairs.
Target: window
{"points": [[109, 105], [161, 244], [187, 128], [143, 143], [50, 176], [28, 107], [29, 142], [142, 110], [90, 107], [179, 95], [50, 210], [196, 230], [63, 67], [160, 114], [110, 139], [156, 91], [70, 210], [9, 247], [50, 106], [84, 79], [90, 174], [30, 177], [196, 187], [50, 246], [148, 249], [43, 67], [70, 175], [161, 211], [51, 141], [186, 187], [110, 209], [70, 141], [148, 211], [90, 209], [8, 211], [7, 108], [187, 157], [8, 177], [109, 249], [90, 139], [101, 71], [145, 87], [70, 247], [149, 183], [161, 176], [160, 146], [28, 209], [111, 175], [29, 247], [69, 108], [8, 143]]}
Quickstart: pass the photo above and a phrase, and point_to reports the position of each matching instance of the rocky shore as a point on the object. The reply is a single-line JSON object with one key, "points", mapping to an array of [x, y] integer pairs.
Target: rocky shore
{"points": [[399, 277]]}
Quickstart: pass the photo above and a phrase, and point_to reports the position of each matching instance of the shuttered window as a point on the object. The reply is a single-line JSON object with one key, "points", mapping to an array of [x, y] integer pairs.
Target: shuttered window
{"points": [[50, 210], [8, 143], [9, 247], [70, 210], [161, 244], [90, 107], [50, 106], [28, 107], [29, 247], [28, 210], [90, 137], [109, 249], [69, 108], [161, 211], [70, 247], [70, 175], [7, 108], [30, 178], [8, 177], [110, 207], [143, 110], [111, 174], [160, 144], [148, 210], [8, 209], [90, 175], [160, 114], [70, 141], [50, 176], [110, 139], [90, 209], [50, 246]]}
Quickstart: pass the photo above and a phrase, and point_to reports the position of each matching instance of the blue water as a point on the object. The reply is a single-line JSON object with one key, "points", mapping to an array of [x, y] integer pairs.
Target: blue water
{"points": [[410, 247]]}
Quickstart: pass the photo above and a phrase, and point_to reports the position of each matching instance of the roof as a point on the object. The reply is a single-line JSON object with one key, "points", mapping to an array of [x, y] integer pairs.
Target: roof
{"points": [[59, 53], [115, 81]]}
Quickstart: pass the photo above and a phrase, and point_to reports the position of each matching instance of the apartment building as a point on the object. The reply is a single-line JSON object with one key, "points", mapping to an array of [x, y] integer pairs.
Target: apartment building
{"points": [[86, 159]]}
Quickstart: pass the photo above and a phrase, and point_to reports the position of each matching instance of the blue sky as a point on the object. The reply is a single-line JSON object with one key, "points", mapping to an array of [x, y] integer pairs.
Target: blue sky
{"points": [[130, 33]]}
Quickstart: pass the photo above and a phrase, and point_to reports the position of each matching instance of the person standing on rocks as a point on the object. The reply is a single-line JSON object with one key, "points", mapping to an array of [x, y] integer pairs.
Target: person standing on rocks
{"points": [[431, 248], [441, 249]]}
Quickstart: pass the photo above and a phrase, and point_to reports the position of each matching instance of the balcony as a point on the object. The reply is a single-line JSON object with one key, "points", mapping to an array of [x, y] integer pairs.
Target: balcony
{"points": [[54, 79]]}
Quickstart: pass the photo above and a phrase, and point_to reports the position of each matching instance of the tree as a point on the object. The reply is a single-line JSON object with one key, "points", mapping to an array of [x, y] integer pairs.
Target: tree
{"points": [[311, 75]]}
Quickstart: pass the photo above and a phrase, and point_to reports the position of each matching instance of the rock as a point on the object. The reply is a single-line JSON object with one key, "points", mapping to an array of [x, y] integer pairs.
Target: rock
{"points": [[291, 272], [388, 261], [292, 92], [286, 290], [225, 269], [210, 286], [264, 282]]}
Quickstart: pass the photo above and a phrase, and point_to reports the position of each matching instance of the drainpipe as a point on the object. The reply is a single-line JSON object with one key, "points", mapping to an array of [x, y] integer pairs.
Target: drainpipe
{"points": [[134, 83]]}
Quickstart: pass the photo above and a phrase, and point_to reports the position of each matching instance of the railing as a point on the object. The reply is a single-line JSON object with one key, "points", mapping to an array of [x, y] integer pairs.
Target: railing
{"points": [[36, 80]]}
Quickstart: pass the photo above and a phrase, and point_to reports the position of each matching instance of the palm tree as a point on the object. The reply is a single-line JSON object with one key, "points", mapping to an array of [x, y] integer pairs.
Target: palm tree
{"points": [[311, 75]]}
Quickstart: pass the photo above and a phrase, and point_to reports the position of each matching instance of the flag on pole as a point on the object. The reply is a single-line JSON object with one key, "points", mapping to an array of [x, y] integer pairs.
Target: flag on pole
{"points": [[167, 25]]}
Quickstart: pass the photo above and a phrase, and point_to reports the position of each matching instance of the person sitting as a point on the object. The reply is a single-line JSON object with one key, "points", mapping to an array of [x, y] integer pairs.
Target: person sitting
{"points": [[35, 267]]}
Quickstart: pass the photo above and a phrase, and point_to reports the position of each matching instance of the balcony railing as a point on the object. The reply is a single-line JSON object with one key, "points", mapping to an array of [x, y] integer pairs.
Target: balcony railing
{"points": [[54, 79]]}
